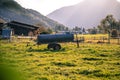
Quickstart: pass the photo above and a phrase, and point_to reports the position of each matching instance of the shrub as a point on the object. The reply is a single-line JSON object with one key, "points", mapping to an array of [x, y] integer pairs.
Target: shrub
{"points": [[114, 33]]}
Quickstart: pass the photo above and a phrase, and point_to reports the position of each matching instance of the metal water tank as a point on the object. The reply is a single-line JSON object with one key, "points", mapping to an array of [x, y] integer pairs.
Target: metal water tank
{"points": [[50, 38]]}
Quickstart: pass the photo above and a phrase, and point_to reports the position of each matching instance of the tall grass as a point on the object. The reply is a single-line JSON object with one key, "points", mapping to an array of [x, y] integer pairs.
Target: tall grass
{"points": [[89, 61]]}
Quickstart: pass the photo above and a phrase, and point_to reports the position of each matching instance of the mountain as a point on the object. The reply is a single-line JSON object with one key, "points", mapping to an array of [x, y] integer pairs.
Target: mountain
{"points": [[86, 14], [12, 11]]}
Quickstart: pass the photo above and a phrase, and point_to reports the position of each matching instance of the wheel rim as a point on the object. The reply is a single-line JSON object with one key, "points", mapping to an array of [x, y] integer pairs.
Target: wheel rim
{"points": [[57, 47]]}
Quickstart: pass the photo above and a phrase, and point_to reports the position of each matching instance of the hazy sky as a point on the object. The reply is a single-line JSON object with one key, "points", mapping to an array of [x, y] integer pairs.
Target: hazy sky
{"points": [[47, 6]]}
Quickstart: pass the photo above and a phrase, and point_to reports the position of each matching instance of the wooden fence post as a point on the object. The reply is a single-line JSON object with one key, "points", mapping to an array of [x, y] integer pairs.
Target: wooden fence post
{"points": [[118, 36], [108, 37], [77, 40]]}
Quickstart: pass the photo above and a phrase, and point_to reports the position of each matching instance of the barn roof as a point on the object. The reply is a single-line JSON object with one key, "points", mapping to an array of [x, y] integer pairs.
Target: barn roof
{"points": [[19, 24]]}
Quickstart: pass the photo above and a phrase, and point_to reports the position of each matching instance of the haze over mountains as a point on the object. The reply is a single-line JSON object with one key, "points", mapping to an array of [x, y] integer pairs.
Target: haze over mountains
{"points": [[86, 14], [12, 11]]}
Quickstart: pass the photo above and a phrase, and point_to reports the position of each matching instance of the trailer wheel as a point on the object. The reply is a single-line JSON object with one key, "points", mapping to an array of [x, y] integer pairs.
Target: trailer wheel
{"points": [[54, 46], [57, 47], [50, 46]]}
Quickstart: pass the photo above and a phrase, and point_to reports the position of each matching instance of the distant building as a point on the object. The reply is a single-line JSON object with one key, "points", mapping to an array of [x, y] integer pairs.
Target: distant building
{"points": [[6, 33], [21, 28]]}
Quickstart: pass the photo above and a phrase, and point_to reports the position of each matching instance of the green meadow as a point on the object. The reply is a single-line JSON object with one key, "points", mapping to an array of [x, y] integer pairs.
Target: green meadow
{"points": [[90, 61]]}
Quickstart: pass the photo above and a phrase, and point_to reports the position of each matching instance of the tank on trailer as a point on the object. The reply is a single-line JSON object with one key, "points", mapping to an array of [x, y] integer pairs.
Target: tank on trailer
{"points": [[54, 39], [50, 38]]}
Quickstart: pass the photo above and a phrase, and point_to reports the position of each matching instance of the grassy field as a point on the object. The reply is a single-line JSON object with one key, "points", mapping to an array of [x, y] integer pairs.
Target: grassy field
{"points": [[88, 62], [96, 38]]}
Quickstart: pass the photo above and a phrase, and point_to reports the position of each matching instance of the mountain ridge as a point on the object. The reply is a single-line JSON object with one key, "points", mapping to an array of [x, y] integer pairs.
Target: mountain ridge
{"points": [[10, 10], [87, 14]]}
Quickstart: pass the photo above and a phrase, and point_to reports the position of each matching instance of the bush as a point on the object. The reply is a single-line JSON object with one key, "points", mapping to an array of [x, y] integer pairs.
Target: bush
{"points": [[114, 33]]}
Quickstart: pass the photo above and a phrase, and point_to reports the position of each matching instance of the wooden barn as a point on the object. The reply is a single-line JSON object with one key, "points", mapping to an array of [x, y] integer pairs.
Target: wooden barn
{"points": [[21, 28]]}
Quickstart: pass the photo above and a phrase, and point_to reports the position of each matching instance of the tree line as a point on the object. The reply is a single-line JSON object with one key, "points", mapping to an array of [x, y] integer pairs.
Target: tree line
{"points": [[107, 25]]}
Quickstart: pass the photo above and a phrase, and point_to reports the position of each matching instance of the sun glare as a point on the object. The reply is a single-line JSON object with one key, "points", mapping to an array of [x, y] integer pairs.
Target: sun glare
{"points": [[118, 0]]}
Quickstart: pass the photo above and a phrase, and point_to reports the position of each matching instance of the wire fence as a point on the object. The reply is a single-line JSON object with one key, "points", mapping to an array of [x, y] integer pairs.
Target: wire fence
{"points": [[99, 39]]}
